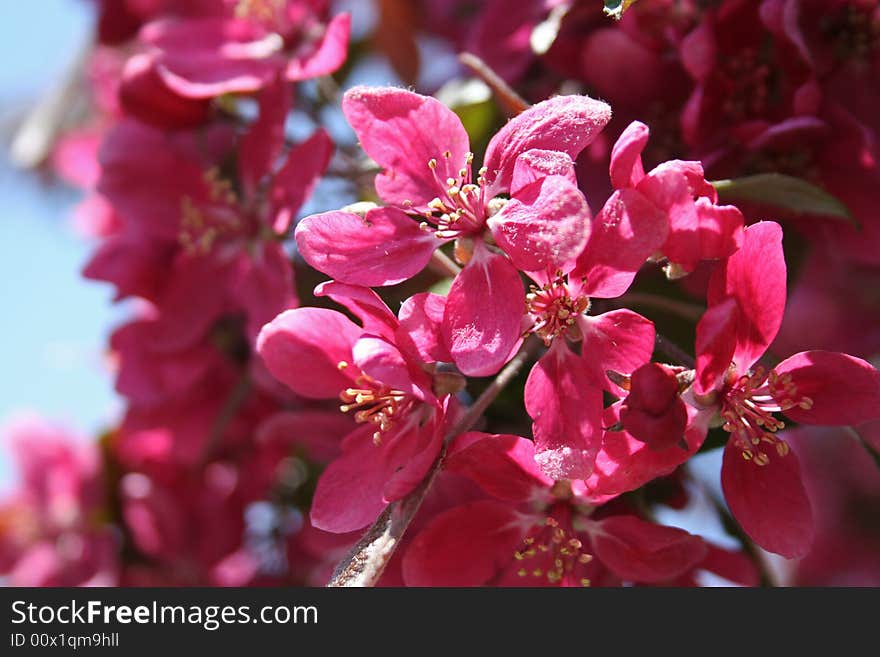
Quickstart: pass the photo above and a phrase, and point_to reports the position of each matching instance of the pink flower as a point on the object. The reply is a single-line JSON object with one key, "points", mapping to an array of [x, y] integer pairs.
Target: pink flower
{"points": [[760, 477], [743, 76], [434, 197], [563, 393], [534, 531], [188, 236], [380, 372], [49, 532], [699, 229], [189, 61]]}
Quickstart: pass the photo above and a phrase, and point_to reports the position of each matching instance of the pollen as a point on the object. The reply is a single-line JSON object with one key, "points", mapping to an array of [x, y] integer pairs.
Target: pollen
{"points": [[461, 207], [374, 402], [261, 10], [553, 309], [748, 408], [553, 554], [203, 224]]}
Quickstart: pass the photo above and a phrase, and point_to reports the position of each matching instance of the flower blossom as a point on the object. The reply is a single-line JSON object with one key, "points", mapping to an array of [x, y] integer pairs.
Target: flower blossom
{"points": [[52, 527], [435, 196], [381, 372], [188, 61], [531, 530], [760, 475]]}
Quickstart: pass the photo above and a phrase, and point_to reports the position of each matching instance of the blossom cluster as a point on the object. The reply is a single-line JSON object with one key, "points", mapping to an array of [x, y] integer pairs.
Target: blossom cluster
{"points": [[290, 375]]}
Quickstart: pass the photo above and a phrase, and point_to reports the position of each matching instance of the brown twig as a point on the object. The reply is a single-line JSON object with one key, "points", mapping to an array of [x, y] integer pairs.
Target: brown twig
{"points": [[868, 447], [510, 101], [442, 264], [689, 311], [365, 563], [673, 351]]}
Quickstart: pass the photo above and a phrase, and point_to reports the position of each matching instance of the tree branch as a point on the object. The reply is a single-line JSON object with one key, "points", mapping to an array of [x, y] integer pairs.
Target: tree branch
{"points": [[511, 102], [673, 351], [442, 264], [689, 311], [365, 563]]}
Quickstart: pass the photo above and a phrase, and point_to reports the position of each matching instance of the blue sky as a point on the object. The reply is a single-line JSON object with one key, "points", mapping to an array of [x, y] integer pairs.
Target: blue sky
{"points": [[53, 323]]}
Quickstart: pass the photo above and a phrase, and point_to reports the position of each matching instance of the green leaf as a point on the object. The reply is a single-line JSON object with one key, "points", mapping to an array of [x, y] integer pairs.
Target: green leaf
{"points": [[615, 8], [472, 101], [785, 192]]}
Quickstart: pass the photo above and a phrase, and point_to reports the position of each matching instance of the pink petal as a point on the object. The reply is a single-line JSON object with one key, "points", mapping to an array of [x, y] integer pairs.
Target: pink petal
{"points": [[715, 345], [698, 51], [627, 231], [721, 229], [146, 96], [769, 501], [626, 156], [484, 308], [536, 164], [755, 277], [133, 264], [641, 551], [620, 340], [414, 463], [421, 320], [204, 58], [383, 362], [327, 55], [297, 177], [203, 34], [264, 285], [363, 303], [562, 123], [464, 546], [844, 390], [191, 303], [733, 566], [667, 187], [566, 411], [145, 175], [384, 247], [503, 465], [318, 433], [147, 378], [545, 226], [201, 76], [500, 35], [348, 495], [303, 347], [354, 488], [264, 139], [402, 131]]}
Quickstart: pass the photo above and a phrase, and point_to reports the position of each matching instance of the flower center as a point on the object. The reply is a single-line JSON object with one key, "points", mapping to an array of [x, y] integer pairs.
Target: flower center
{"points": [[552, 552], [747, 81], [374, 402], [259, 10], [462, 207], [552, 308], [748, 407], [202, 225], [854, 31]]}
